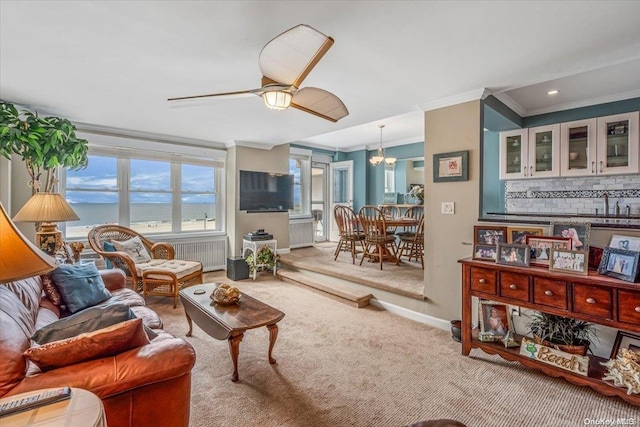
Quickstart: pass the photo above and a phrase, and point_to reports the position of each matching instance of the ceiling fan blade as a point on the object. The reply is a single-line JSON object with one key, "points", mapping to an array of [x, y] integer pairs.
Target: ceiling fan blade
{"points": [[291, 56], [319, 102], [210, 95]]}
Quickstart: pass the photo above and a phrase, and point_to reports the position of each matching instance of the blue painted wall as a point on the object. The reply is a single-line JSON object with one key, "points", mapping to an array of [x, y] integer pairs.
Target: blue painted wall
{"points": [[375, 188], [492, 197]]}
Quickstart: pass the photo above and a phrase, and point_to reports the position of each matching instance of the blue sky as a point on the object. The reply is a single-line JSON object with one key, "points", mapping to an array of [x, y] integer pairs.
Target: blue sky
{"points": [[101, 173]]}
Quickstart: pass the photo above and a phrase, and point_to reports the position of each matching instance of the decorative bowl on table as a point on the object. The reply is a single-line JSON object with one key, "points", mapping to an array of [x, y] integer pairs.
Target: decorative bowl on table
{"points": [[225, 295]]}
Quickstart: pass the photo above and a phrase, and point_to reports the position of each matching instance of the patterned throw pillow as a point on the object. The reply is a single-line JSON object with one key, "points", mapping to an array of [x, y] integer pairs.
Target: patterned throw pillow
{"points": [[51, 291], [93, 345], [134, 248]]}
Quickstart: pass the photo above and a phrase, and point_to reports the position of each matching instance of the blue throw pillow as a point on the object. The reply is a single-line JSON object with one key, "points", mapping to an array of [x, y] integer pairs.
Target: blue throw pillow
{"points": [[108, 247], [87, 320], [81, 286]]}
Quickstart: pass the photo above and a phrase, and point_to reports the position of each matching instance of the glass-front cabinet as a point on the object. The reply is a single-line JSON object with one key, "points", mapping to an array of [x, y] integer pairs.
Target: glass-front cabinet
{"points": [[618, 146], [578, 147], [544, 152], [513, 153]]}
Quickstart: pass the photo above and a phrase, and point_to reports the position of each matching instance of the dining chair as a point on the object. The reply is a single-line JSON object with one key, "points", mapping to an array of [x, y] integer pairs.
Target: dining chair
{"points": [[376, 237], [350, 232], [391, 212], [412, 245], [414, 212]]}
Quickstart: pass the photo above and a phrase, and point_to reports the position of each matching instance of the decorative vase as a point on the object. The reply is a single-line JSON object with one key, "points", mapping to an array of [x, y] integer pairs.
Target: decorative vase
{"points": [[456, 330]]}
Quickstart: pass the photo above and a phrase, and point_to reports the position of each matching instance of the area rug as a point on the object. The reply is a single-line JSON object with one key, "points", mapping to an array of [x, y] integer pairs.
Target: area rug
{"points": [[342, 366]]}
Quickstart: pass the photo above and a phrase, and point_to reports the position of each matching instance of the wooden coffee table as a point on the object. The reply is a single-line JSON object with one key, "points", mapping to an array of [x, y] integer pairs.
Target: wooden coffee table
{"points": [[229, 322]]}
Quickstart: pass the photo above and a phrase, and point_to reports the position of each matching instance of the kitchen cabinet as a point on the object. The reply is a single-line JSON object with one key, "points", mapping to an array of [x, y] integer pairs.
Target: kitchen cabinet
{"points": [[530, 153], [594, 298], [600, 146], [578, 147], [618, 145]]}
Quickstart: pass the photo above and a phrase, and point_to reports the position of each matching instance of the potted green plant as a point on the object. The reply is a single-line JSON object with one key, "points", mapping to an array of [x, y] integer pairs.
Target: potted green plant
{"points": [[562, 333], [45, 144], [265, 259]]}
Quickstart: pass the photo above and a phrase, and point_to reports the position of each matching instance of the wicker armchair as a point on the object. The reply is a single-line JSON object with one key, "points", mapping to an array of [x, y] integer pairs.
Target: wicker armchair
{"points": [[161, 276]]}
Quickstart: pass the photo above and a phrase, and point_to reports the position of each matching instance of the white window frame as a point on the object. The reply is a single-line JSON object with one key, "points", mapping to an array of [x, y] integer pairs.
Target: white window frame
{"points": [[124, 148], [304, 156]]}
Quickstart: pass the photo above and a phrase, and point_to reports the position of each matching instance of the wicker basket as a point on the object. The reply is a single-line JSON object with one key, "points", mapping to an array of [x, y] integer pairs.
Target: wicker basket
{"points": [[580, 350]]}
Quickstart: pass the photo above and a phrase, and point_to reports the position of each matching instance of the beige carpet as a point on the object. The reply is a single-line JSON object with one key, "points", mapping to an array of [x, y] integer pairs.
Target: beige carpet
{"points": [[342, 366], [405, 279]]}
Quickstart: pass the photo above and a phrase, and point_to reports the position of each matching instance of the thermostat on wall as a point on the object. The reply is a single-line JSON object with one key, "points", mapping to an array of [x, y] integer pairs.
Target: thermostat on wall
{"points": [[448, 208]]}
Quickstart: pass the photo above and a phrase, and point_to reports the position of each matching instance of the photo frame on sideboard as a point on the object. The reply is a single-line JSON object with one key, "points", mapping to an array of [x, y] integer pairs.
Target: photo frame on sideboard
{"points": [[620, 263]]}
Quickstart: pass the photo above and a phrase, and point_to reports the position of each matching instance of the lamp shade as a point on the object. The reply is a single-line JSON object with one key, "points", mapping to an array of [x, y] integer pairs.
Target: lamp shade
{"points": [[277, 99], [19, 258], [46, 207]]}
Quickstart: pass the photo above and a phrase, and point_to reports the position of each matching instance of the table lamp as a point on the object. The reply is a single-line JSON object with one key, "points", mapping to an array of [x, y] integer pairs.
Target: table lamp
{"points": [[47, 209], [19, 258]]}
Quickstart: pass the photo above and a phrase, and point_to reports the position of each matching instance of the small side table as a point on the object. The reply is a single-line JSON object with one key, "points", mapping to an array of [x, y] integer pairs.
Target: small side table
{"points": [[254, 247], [82, 409]]}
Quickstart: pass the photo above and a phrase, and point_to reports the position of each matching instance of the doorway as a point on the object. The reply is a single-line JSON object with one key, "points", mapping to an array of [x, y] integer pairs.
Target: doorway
{"points": [[319, 193]]}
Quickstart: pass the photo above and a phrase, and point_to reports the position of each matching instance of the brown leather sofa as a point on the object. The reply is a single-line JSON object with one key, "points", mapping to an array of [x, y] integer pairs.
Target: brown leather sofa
{"points": [[145, 386]]}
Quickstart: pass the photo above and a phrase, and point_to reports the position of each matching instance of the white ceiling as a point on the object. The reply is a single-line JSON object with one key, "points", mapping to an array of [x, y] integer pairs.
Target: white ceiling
{"points": [[113, 64]]}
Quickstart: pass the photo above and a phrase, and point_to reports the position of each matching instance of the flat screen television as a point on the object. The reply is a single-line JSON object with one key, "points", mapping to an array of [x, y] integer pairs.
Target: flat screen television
{"points": [[265, 192]]}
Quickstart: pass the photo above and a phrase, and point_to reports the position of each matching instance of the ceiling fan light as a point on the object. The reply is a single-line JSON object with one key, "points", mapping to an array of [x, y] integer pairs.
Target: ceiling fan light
{"points": [[277, 99]]}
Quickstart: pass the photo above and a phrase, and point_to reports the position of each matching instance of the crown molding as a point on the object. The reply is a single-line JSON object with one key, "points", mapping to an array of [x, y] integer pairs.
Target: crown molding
{"points": [[583, 103], [461, 98], [147, 136], [509, 102], [251, 144]]}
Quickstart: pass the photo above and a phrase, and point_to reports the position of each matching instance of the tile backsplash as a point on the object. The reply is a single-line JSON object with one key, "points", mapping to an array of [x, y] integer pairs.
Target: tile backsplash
{"points": [[580, 195]]}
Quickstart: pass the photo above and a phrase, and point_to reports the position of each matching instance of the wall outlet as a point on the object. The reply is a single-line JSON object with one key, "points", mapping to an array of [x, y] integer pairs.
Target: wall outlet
{"points": [[448, 208]]}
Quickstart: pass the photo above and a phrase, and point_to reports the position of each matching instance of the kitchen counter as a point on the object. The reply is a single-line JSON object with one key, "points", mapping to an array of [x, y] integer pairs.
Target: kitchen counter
{"points": [[597, 221]]}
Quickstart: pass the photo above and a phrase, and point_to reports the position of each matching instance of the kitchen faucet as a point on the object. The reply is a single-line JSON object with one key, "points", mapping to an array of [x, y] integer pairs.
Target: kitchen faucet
{"points": [[617, 208], [606, 204]]}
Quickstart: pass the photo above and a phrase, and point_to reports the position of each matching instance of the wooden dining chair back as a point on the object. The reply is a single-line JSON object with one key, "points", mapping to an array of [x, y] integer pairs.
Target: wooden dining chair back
{"points": [[391, 212], [379, 245], [412, 245], [414, 212], [350, 233]]}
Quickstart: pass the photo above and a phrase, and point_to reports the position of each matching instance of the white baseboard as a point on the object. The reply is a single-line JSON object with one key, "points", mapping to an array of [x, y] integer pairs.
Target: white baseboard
{"points": [[413, 315]]}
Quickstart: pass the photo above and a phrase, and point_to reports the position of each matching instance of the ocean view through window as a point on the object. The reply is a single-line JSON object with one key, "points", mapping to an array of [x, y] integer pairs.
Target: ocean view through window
{"points": [[149, 196]]}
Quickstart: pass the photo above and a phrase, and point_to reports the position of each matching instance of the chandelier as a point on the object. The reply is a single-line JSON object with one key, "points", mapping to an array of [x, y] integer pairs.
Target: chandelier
{"points": [[379, 157]]}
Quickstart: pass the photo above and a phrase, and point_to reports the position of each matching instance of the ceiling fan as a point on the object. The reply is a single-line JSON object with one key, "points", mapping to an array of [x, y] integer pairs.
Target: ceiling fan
{"points": [[285, 62]]}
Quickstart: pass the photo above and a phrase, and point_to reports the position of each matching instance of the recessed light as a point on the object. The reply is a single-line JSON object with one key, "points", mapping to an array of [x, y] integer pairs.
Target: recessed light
{"points": [[552, 92]]}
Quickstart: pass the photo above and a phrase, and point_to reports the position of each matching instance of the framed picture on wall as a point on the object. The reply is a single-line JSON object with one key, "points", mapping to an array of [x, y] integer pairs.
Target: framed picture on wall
{"points": [[451, 166]]}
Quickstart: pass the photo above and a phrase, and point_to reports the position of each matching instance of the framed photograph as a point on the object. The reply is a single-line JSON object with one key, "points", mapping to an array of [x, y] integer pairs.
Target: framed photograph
{"points": [[485, 252], [517, 234], [595, 256], [568, 261], [619, 263], [625, 242], [451, 166], [489, 235], [494, 318], [512, 254], [625, 340], [541, 247], [579, 232]]}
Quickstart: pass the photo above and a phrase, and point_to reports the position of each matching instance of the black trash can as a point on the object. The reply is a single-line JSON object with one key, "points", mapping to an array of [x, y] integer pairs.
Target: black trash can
{"points": [[237, 268]]}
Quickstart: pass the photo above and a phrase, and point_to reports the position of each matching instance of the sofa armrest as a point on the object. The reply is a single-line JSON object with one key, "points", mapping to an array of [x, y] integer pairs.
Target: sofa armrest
{"points": [[165, 358], [113, 279]]}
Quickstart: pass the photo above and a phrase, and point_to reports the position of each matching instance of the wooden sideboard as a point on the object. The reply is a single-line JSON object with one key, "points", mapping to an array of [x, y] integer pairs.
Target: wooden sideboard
{"points": [[594, 298]]}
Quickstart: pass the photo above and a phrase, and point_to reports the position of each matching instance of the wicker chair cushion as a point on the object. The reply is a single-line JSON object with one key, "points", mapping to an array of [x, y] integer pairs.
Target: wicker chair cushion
{"points": [[134, 248], [178, 267]]}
